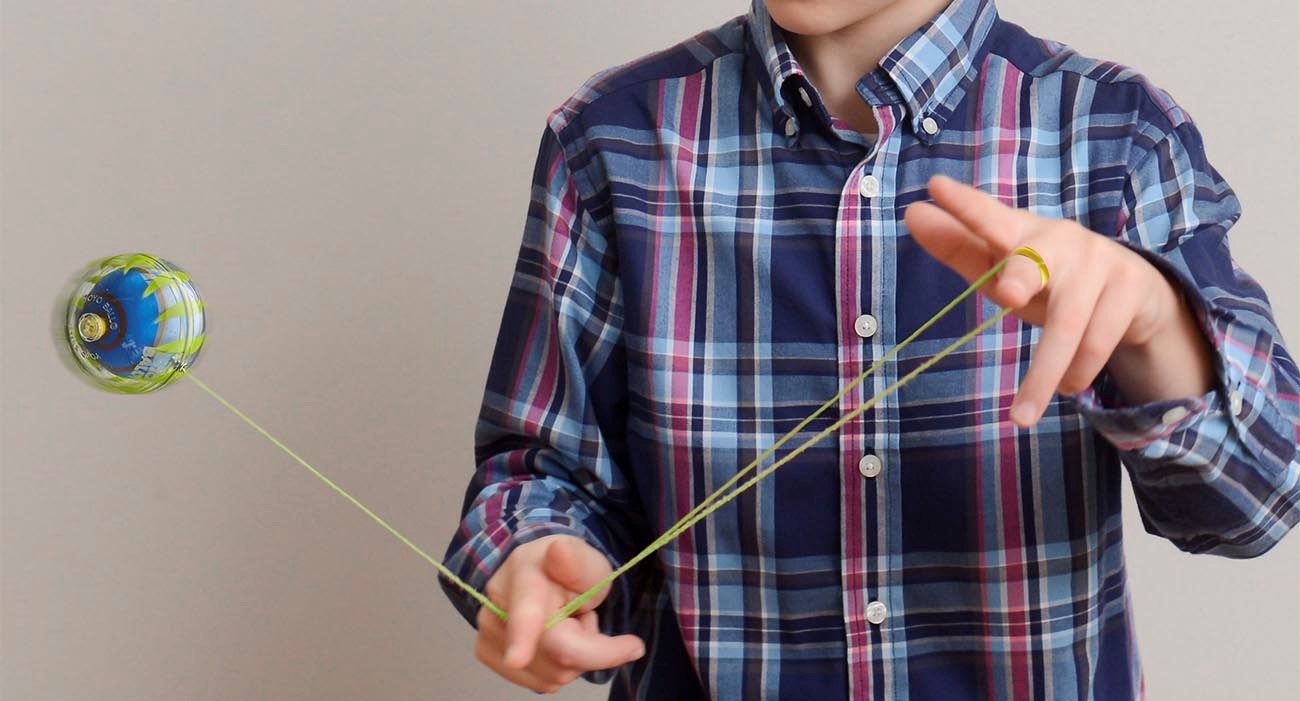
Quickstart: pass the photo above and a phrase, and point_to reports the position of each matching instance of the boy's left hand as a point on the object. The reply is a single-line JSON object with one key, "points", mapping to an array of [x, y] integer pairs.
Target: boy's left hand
{"points": [[1103, 304]]}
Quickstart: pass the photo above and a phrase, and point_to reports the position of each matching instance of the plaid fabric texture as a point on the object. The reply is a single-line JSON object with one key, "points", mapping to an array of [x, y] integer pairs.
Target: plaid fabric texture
{"points": [[702, 249]]}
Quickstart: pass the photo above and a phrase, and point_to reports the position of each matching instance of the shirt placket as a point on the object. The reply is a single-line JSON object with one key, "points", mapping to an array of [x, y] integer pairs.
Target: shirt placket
{"points": [[865, 271]]}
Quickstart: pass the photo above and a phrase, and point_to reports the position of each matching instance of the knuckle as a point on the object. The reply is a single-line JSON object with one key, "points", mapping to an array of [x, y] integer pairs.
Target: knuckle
{"points": [[1134, 273], [564, 657], [1023, 222], [1118, 258]]}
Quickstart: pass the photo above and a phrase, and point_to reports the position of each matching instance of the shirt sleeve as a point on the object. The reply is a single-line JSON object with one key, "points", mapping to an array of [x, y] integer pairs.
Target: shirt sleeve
{"points": [[1216, 473], [548, 438]]}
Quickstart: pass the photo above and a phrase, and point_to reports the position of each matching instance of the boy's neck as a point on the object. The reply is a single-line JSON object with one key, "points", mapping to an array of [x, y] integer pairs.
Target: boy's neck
{"points": [[835, 61]]}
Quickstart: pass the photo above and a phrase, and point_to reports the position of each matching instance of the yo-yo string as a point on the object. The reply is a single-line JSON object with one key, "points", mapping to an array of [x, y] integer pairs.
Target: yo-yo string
{"points": [[719, 497], [679, 526], [442, 569], [717, 500], [1025, 251]]}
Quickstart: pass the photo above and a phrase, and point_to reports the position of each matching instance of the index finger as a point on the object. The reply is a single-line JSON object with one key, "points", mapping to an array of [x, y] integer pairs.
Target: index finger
{"points": [[992, 221]]}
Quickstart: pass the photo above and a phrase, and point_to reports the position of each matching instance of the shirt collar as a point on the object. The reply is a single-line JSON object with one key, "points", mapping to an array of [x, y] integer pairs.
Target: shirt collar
{"points": [[927, 72]]}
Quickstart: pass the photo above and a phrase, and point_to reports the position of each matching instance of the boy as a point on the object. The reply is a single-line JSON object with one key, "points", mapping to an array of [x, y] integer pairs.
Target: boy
{"points": [[725, 234]]}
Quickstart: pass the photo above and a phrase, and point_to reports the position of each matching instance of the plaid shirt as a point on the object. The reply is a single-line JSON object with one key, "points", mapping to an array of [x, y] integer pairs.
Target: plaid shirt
{"points": [[709, 255]]}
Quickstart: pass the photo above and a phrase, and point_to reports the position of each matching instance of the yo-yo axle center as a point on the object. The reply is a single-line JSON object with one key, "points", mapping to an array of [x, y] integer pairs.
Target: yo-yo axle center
{"points": [[92, 327]]}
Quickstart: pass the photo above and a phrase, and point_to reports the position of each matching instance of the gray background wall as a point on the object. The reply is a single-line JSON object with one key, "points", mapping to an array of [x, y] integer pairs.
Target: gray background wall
{"points": [[346, 182]]}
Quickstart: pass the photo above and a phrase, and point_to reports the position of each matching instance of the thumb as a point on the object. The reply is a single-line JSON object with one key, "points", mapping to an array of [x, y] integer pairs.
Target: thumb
{"points": [[576, 566]]}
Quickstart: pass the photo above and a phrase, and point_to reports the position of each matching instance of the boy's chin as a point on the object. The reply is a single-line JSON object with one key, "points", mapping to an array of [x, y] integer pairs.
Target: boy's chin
{"points": [[819, 17]]}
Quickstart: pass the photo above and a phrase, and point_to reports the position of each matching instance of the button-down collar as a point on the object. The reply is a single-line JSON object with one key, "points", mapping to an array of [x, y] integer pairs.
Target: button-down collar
{"points": [[928, 72]]}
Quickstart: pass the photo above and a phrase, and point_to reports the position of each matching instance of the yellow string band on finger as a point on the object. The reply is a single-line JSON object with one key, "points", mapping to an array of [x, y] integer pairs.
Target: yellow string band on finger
{"points": [[1031, 254]]}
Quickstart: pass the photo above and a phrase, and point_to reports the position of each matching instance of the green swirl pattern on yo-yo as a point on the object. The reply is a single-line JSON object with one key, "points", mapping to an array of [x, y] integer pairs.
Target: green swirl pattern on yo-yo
{"points": [[130, 323]]}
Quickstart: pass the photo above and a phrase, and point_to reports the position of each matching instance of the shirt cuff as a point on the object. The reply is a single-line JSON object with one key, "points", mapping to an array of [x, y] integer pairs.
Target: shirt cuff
{"points": [[1139, 428], [1171, 429]]}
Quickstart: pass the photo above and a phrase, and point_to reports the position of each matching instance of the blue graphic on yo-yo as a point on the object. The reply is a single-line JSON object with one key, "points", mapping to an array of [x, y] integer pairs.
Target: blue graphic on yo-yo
{"points": [[131, 323]]}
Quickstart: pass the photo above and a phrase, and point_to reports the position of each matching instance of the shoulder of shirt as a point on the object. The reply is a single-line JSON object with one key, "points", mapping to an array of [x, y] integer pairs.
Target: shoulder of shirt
{"points": [[1114, 83], [682, 59]]}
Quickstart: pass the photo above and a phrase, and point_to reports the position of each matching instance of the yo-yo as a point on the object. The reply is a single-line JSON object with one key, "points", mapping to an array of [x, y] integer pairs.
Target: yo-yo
{"points": [[130, 323]]}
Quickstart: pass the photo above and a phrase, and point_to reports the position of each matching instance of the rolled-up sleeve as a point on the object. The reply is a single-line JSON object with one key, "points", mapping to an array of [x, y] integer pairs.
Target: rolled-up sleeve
{"points": [[1217, 473]]}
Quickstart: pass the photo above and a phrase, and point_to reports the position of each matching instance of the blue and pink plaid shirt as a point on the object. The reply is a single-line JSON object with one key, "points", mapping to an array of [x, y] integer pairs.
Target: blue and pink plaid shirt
{"points": [[709, 255]]}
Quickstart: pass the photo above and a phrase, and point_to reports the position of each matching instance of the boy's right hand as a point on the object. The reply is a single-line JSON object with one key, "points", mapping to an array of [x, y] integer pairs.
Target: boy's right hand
{"points": [[536, 580]]}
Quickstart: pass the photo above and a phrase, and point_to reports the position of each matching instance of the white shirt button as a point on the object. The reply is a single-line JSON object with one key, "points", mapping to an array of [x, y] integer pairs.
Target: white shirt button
{"points": [[929, 126], [869, 466], [865, 325], [807, 99], [876, 613], [1236, 403], [1174, 415], [869, 186], [791, 127]]}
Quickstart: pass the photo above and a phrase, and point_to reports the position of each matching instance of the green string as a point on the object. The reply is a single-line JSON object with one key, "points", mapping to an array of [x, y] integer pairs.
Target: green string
{"points": [[341, 492], [680, 526], [717, 500], [721, 496]]}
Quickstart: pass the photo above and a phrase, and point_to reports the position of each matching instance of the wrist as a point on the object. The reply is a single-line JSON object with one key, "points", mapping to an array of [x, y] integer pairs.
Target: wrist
{"points": [[1169, 357]]}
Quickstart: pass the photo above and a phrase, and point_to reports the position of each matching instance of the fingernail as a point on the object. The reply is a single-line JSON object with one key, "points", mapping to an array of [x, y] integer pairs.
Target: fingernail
{"points": [[1024, 413], [512, 653]]}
